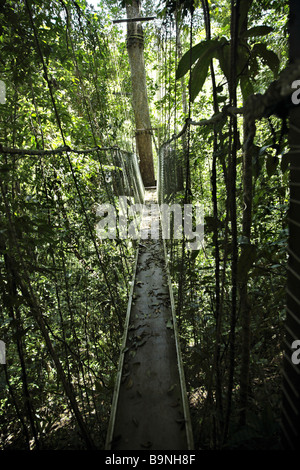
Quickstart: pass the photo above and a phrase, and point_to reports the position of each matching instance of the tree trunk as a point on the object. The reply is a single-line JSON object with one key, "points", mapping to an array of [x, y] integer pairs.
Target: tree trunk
{"points": [[245, 307], [180, 175], [232, 154], [135, 47]]}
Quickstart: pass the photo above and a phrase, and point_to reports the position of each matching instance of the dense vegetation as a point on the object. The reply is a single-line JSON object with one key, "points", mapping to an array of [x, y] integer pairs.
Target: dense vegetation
{"points": [[63, 291]]}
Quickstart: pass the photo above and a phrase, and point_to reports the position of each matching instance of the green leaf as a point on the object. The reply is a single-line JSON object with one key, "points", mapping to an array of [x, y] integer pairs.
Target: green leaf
{"points": [[200, 70], [268, 57], [253, 66], [257, 31], [199, 75], [242, 60], [263, 150], [271, 164], [223, 56], [189, 58], [244, 10], [246, 87], [199, 51]]}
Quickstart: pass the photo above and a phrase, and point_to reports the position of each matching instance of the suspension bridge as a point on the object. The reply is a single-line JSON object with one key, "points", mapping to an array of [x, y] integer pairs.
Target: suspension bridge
{"points": [[150, 408]]}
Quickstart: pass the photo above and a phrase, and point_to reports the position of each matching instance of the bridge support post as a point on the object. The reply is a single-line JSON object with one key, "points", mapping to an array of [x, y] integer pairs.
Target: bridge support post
{"points": [[135, 47]]}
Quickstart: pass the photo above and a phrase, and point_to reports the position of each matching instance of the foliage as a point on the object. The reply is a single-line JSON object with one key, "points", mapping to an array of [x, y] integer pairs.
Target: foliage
{"points": [[63, 293], [60, 320], [203, 281]]}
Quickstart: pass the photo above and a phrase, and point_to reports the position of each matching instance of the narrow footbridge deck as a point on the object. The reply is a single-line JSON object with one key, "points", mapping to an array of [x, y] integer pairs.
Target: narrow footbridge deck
{"points": [[150, 407]]}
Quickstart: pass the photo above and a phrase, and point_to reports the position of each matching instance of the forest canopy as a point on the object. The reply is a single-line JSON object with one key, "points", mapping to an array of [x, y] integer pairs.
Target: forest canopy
{"points": [[67, 144]]}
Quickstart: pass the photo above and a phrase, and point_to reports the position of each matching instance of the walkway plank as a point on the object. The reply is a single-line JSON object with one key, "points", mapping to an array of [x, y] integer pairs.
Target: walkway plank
{"points": [[150, 402]]}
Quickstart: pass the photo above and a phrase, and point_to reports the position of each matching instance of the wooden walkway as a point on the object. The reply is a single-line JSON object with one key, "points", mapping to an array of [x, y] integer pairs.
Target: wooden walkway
{"points": [[150, 407]]}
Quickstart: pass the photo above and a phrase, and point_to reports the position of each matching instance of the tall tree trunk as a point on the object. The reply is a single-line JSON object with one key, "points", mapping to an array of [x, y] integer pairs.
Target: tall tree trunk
{"points": [[245, 308], [180, 175], [233, 143], [135, 47]]}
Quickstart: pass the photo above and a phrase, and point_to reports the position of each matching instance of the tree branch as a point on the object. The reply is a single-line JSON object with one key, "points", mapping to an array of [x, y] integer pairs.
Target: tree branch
{"points": [[59, 150]]}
